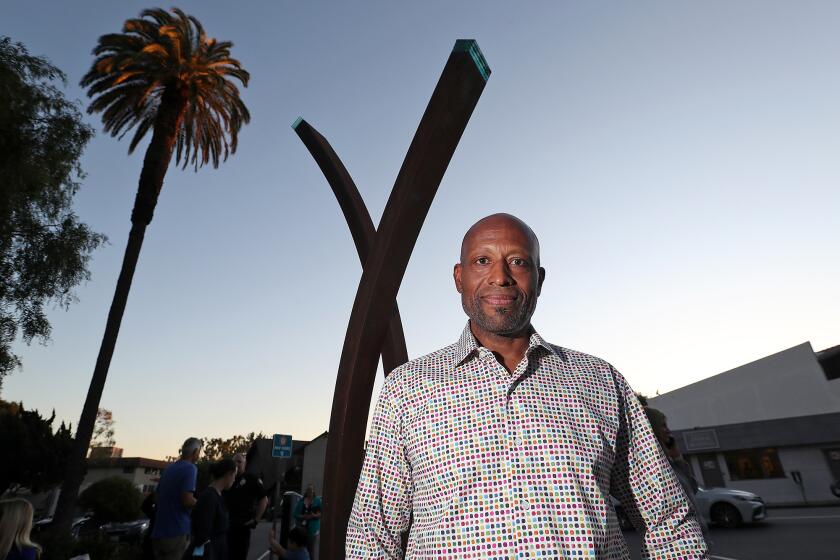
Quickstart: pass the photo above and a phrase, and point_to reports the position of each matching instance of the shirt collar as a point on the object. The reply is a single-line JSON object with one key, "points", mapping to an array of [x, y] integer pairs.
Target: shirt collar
{"points": [[467, 345]]}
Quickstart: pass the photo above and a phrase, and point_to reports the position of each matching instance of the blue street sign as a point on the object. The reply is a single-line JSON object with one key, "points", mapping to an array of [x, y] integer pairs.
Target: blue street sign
{"points": [[282, 447]]}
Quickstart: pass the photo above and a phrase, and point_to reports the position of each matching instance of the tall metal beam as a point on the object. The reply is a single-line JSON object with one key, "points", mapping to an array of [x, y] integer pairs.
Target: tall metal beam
{"points": [[454, 98], [394, 352]]}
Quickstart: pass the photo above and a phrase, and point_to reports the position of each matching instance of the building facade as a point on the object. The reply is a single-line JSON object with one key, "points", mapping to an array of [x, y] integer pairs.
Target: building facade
{"points": [[771, 427], [143, 473]]}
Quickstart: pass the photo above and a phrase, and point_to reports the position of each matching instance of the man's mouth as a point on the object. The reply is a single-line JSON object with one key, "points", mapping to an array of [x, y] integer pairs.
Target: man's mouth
{"points": [[499, 300]]}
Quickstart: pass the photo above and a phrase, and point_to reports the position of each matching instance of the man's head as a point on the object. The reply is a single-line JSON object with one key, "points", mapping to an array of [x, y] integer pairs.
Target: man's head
{"points": [[298, 538], [499, 276], [224, 472], [191, 450], [659, 424], [241, 463]]}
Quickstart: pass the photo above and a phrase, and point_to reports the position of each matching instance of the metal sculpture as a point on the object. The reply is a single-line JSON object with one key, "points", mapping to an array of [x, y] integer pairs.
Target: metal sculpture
{"points": [[358, 219], [455, 96]]}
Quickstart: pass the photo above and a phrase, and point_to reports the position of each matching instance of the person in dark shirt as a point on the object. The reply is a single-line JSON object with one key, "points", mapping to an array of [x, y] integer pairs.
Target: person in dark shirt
{"points": [[15, 527], [246, 501], [210, 520]]}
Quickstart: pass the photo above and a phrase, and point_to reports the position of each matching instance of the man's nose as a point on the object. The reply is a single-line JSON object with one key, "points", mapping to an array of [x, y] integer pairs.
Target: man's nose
{"points": [[500, 274]]}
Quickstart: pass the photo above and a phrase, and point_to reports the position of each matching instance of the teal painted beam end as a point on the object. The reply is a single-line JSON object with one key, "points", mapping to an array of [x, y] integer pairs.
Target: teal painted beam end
{"points": [[297, 123], [471, 46]]}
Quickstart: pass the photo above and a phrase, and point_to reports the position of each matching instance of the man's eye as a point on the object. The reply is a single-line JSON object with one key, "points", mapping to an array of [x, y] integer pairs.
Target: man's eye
{"points": [[482, 260], [517, 262]]}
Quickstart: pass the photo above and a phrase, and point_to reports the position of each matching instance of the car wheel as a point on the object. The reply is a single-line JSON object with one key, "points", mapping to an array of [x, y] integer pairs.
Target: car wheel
{"points": [[725, 515]]}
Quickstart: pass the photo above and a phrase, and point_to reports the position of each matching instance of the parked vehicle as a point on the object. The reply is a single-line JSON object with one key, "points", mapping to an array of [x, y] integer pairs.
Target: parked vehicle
{"points": [[128, 531], [725, 507], [728, 507], [79, 524]]}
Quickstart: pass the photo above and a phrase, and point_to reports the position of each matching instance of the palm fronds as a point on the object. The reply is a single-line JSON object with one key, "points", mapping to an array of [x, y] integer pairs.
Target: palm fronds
{"points": [[161, 50]]}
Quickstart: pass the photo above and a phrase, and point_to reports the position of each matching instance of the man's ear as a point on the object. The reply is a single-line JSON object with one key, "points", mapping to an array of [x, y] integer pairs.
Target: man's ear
{"points": [[456, 274], [541, 280]]}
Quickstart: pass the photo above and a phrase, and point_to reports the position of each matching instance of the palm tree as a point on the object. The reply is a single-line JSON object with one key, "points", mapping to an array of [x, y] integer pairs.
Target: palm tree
{"points": [[161, 73]]}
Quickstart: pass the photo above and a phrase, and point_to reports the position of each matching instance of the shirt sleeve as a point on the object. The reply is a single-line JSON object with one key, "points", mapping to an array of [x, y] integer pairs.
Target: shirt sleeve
{"points": [[646, 485], [188, 480], [256, 488], [382, 507]]}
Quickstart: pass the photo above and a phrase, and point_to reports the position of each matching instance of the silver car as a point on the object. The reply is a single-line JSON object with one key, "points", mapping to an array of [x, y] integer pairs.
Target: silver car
{"points": [[728, 507], [725, 507]]}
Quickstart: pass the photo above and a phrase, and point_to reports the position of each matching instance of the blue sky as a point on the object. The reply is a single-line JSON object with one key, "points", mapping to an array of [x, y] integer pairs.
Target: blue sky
{"points": [[678, 160]]}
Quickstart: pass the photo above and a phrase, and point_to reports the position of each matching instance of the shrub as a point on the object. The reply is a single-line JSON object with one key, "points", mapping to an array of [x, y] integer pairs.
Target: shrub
{"points": [[112, 499]]}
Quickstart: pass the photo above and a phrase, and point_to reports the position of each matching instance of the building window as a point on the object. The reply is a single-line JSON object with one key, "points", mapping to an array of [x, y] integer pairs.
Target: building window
{"points": [[751, 464]]}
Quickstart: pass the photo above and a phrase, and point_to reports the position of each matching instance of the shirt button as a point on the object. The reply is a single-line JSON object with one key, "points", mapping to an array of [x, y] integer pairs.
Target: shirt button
{"points": [[524, 504]]}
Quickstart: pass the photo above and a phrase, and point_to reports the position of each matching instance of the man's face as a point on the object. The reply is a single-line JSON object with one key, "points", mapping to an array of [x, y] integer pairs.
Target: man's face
{"points": [[240, 464], [195, 456], [663, 433], [499, 278]]}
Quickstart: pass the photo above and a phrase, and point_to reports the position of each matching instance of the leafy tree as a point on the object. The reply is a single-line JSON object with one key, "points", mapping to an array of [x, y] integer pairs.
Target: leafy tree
{"points": [[44, 249], [162, 73], [34, 456], [103, 429], [112, 499], [218, 448]]}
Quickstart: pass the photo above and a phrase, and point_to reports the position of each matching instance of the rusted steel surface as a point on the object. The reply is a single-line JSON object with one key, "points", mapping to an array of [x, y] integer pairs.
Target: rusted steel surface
{"points": [[434, 143], [358, 219]]}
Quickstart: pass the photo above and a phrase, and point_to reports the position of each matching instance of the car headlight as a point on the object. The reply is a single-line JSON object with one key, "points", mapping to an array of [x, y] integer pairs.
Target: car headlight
{"points": [[746, 498]]}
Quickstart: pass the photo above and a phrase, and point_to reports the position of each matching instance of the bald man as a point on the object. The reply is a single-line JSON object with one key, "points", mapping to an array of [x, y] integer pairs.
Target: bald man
{"points": [[502, 445]]}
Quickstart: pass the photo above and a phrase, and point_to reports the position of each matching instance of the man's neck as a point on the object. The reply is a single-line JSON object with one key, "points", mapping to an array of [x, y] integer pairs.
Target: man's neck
{"points": [[508, 349]]}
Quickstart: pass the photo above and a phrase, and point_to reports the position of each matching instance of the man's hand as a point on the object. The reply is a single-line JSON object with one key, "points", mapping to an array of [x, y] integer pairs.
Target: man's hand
{"points": [[188, 499]]}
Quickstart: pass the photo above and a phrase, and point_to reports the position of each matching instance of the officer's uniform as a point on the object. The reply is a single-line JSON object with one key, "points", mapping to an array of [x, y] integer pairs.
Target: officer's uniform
{"points": [[241, 502]]}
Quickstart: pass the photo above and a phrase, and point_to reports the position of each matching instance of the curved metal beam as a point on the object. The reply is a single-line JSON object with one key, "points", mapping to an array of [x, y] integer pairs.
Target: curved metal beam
{"points": [[394, 353], [455, 96]]}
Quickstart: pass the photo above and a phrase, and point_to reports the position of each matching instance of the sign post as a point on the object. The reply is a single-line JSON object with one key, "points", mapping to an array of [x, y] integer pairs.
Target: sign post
{"points": [[281, 448]]}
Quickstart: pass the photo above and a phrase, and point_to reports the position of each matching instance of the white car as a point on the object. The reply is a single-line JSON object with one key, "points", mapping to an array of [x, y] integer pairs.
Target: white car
{"points": [[728, 507]]}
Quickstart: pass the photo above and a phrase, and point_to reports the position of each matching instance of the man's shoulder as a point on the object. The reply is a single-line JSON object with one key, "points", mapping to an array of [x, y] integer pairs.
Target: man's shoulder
{"points": [[576, 358], [179, 467], [438, 361]]}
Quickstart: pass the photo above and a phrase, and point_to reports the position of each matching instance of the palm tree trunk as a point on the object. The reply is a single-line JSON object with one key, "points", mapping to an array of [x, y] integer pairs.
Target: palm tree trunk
{"points": [[76, 463], [155, 164]]}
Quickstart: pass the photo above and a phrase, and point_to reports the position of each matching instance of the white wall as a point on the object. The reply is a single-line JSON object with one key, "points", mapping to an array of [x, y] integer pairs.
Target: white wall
{"points": [[810, 461], [787, 384], [314, 458]]}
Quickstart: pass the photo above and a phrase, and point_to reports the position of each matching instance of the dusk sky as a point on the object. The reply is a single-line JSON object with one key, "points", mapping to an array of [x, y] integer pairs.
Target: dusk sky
{"points": [[679, 161]]}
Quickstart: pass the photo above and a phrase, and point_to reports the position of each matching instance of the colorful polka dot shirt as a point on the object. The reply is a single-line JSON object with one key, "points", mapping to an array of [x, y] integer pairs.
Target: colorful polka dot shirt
{"points": [[480, 462]]}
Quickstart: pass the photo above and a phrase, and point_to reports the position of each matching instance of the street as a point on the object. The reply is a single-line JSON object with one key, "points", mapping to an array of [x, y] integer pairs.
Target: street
{"points": [[807, 533], [259, 541], [812, 533]]}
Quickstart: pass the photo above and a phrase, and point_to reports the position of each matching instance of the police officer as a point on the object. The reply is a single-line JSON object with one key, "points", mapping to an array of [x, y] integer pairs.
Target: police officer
{"points": [[246, 502]]}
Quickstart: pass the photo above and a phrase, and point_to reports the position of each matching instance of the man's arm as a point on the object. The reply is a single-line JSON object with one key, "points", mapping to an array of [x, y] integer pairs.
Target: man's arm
{"points": [[646, 485], [188, 488], [188, 499], [262, 504], [382, 508]]}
